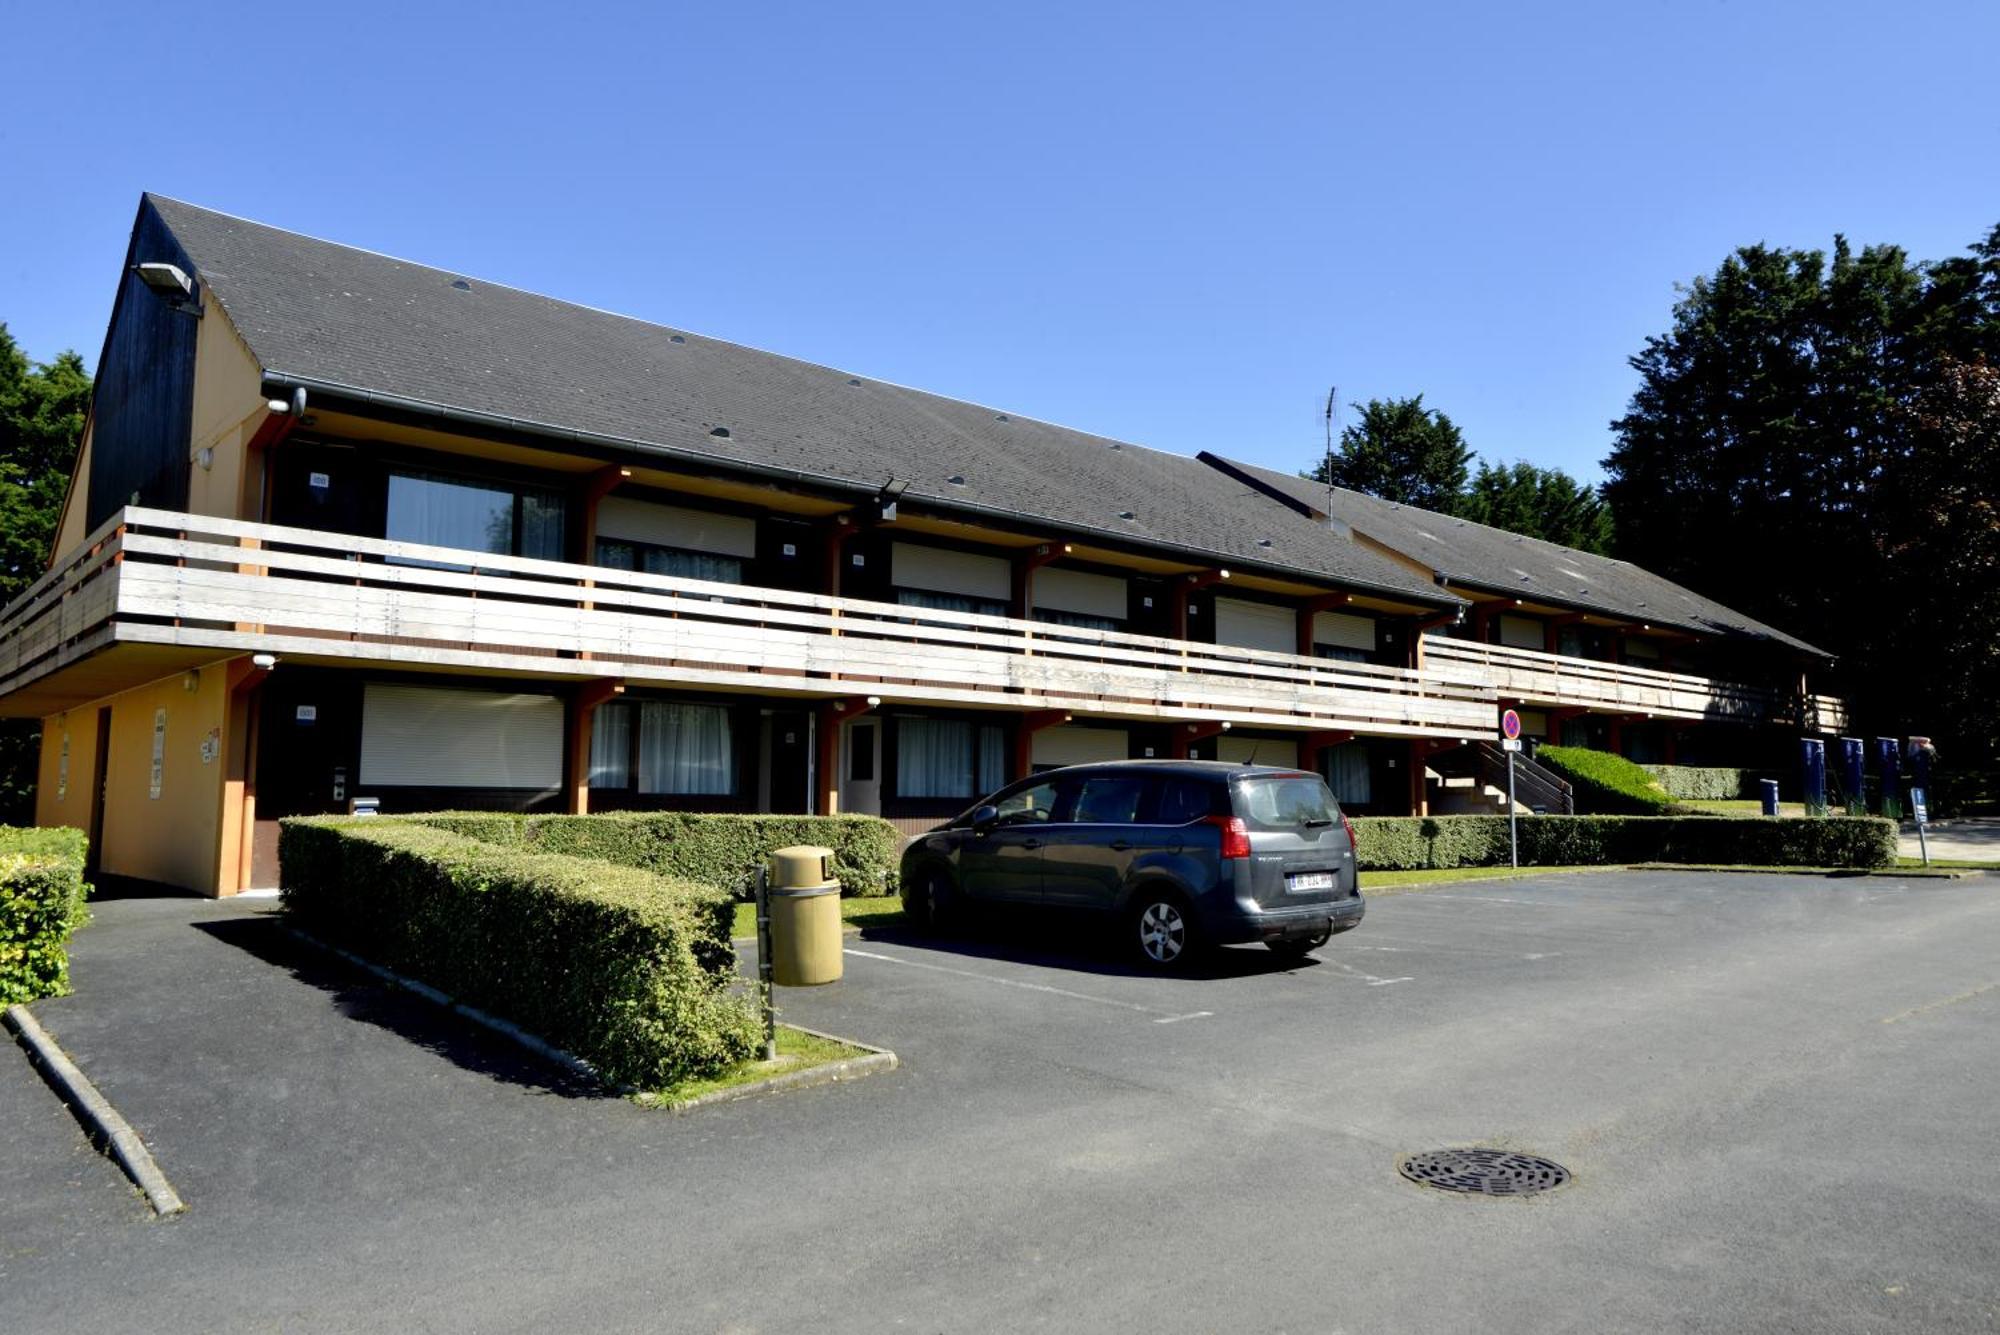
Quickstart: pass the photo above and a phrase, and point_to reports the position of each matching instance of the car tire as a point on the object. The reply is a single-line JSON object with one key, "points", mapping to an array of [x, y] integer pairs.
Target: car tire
{"points": [[1161, 931], [941, 909], [1298, 947]]}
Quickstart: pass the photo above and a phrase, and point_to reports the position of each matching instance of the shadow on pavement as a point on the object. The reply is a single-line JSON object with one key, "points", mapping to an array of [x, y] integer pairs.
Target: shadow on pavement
{"points": [[1049, 941], [359, 996]]}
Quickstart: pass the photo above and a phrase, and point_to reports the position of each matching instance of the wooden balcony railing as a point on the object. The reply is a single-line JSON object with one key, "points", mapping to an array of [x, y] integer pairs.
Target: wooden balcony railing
{"points": [[193, 585], [159, 578], [1554, 680]]}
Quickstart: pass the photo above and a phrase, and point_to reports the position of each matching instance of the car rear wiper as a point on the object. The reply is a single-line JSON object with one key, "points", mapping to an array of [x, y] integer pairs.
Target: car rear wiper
{"points": [[1318, 823]]}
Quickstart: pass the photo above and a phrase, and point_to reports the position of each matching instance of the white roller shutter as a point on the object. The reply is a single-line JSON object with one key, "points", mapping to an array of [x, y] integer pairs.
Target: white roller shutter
{"points": [[1522, 633], [422, 736], [1081, 591], [1256, 626], [942, 570], [1079, 746], [1345, 630], [621, 517], [1242, 750]]}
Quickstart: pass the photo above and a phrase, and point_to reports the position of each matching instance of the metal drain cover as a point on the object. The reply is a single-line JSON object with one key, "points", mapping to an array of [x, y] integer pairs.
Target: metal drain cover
{"points": [[1483, 1172]]}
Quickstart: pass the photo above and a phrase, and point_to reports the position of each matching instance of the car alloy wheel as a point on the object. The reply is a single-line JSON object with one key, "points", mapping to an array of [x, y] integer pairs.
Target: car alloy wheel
{"points": [[1163, 932]]}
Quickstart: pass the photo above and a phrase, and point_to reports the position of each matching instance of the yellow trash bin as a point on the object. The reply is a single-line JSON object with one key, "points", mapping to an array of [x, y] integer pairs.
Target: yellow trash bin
{"points": [[805, 917]]}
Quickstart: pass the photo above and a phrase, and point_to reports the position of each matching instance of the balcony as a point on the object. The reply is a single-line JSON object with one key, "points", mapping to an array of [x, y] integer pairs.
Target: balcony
{"points": [[153, 592], [1547, 680]]}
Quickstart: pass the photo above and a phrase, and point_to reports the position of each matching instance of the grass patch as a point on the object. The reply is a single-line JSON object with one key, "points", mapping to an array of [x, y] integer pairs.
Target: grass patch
{"points": [[797, 1051], [1379, 882], [861, 911], [1737, 806], [1950, 864]]}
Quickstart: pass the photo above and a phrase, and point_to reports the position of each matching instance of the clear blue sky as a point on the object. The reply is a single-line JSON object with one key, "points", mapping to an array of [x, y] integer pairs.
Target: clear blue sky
{"points": [[1172, 224]]}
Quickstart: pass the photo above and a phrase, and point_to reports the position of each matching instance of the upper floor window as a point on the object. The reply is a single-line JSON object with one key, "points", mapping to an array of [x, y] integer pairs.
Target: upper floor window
{"points": [[475, 516], [618, 554]]}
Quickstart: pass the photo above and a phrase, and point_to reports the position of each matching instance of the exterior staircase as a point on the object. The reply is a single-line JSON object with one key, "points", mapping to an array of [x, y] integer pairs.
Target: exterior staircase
{"points": [[1472, 781]]}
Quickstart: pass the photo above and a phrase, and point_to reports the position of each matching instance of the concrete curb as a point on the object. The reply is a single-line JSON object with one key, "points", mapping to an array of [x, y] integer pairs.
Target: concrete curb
{"points": [[877, 1061], [99, 1118], [1899, 873], [541, 1047]]}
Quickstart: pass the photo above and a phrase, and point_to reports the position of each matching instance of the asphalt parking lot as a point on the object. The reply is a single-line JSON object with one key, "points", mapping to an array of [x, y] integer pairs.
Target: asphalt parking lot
{"points": [[1775, 1094]]}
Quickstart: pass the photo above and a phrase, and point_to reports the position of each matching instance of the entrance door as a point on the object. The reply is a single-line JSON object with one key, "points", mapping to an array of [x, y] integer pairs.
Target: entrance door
{"points": [[788, 761], [99, 778], [861, 766]]}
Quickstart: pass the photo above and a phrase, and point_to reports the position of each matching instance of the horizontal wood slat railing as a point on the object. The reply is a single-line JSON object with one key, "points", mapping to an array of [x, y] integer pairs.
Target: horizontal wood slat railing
{"points": [[1534, 677], [163, 578]]}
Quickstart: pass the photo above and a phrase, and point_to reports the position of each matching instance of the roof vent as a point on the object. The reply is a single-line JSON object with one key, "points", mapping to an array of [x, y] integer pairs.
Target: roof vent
{"points": [[956, 479], [1001, 417], [1263, 542], [676, 338], [852, 381], [721, 431], [1116, 446], [461, 285], [1127, 515]]}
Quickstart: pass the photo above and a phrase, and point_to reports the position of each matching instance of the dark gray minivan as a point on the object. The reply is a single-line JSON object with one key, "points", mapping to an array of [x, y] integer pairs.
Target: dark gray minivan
{"points": [[1181, 853]]}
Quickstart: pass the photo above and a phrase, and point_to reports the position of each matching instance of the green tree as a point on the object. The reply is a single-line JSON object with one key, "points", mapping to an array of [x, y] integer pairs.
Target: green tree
{"points": [[1400, 451], [1763, 454], [1544, 503], [41, 420]]}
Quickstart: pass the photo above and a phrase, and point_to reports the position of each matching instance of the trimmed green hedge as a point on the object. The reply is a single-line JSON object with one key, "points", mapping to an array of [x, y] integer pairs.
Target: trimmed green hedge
{"points": [[630, 970], [1605, 784], [1703, 783], [42, 894], [709, 848], [1404, 843]]}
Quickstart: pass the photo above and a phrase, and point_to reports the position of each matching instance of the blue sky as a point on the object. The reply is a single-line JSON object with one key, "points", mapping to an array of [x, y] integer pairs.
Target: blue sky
{"points": [[1171, 224]]}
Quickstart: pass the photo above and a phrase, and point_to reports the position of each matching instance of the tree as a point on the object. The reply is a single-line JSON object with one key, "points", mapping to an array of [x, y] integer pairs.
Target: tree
{"points": [[1762, 457], [1400, 451], [1544, 503], [41, 422]]}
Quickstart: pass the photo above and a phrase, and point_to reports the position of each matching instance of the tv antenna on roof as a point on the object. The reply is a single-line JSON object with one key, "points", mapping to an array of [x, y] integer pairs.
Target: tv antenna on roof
{"points": [[1326, 465]]}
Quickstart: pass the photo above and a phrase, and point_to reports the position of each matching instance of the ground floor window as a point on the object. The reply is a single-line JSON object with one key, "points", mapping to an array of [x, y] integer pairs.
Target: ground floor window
{"points": [[951, 758], [1347, 773], [680, 749]]}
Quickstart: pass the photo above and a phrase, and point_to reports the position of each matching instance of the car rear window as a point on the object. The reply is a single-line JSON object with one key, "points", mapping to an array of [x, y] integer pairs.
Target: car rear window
{"points": [[1285, 802], [1183, 800]]}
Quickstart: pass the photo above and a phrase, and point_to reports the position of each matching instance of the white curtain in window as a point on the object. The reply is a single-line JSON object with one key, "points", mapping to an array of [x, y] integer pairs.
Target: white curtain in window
{"points": [[611, 747], [694, 565], [934, 758], [686, 749], [1347, 774], [450, 514]]}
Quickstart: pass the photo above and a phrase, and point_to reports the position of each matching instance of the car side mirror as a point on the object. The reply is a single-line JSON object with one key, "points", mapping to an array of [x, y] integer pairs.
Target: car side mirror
{"points": [[985, 818]]}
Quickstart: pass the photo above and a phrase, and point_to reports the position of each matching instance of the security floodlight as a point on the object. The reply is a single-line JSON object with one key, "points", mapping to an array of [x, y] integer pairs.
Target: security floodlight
{"points": [[169, 280], [885, 500]]}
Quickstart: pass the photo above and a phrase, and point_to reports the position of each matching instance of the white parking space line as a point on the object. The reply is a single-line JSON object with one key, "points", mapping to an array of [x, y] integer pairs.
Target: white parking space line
{"points": [[1366, 978], [1160, 1016]]}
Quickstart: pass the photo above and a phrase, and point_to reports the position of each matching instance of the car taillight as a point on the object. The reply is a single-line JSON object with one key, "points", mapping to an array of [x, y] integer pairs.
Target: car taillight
{"points": [[1235, 836], [1348, 826]]}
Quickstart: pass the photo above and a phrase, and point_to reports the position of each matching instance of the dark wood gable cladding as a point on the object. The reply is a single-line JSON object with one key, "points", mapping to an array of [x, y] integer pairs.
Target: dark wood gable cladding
{"points": [[143, 408]]}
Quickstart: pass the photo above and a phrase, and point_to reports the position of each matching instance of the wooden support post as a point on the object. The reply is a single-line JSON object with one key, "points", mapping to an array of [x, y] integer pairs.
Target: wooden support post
{"points": [[1025, 729], [1024, 575], [582, 708], [826, 749], [1421, 750], [593, 489], [1313, 743], [1185, 735], [1187, 584], [1420, 626]]}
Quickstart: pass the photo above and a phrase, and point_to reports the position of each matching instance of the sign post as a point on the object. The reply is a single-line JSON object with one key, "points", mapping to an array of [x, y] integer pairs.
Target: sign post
{"points": [[1920, 809], [1510, 739]]}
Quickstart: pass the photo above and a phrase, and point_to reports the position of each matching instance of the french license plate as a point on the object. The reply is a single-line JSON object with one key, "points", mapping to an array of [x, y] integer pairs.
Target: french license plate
{"points": [[1309, 880]]}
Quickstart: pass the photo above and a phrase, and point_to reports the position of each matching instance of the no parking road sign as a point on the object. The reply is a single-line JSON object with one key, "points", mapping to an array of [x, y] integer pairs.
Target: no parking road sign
{"points": [[1510, 738], [1510, 730]]}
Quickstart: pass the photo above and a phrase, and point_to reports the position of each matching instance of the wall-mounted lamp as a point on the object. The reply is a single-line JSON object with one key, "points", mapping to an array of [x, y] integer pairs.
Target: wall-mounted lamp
{"points": [[205, 456], [264, 661], [192, 681], [171, 284]]}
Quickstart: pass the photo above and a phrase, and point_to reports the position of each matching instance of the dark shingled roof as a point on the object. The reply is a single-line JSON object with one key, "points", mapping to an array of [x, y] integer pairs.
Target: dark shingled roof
{"points": [[1479, 556], [340, 319]]}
